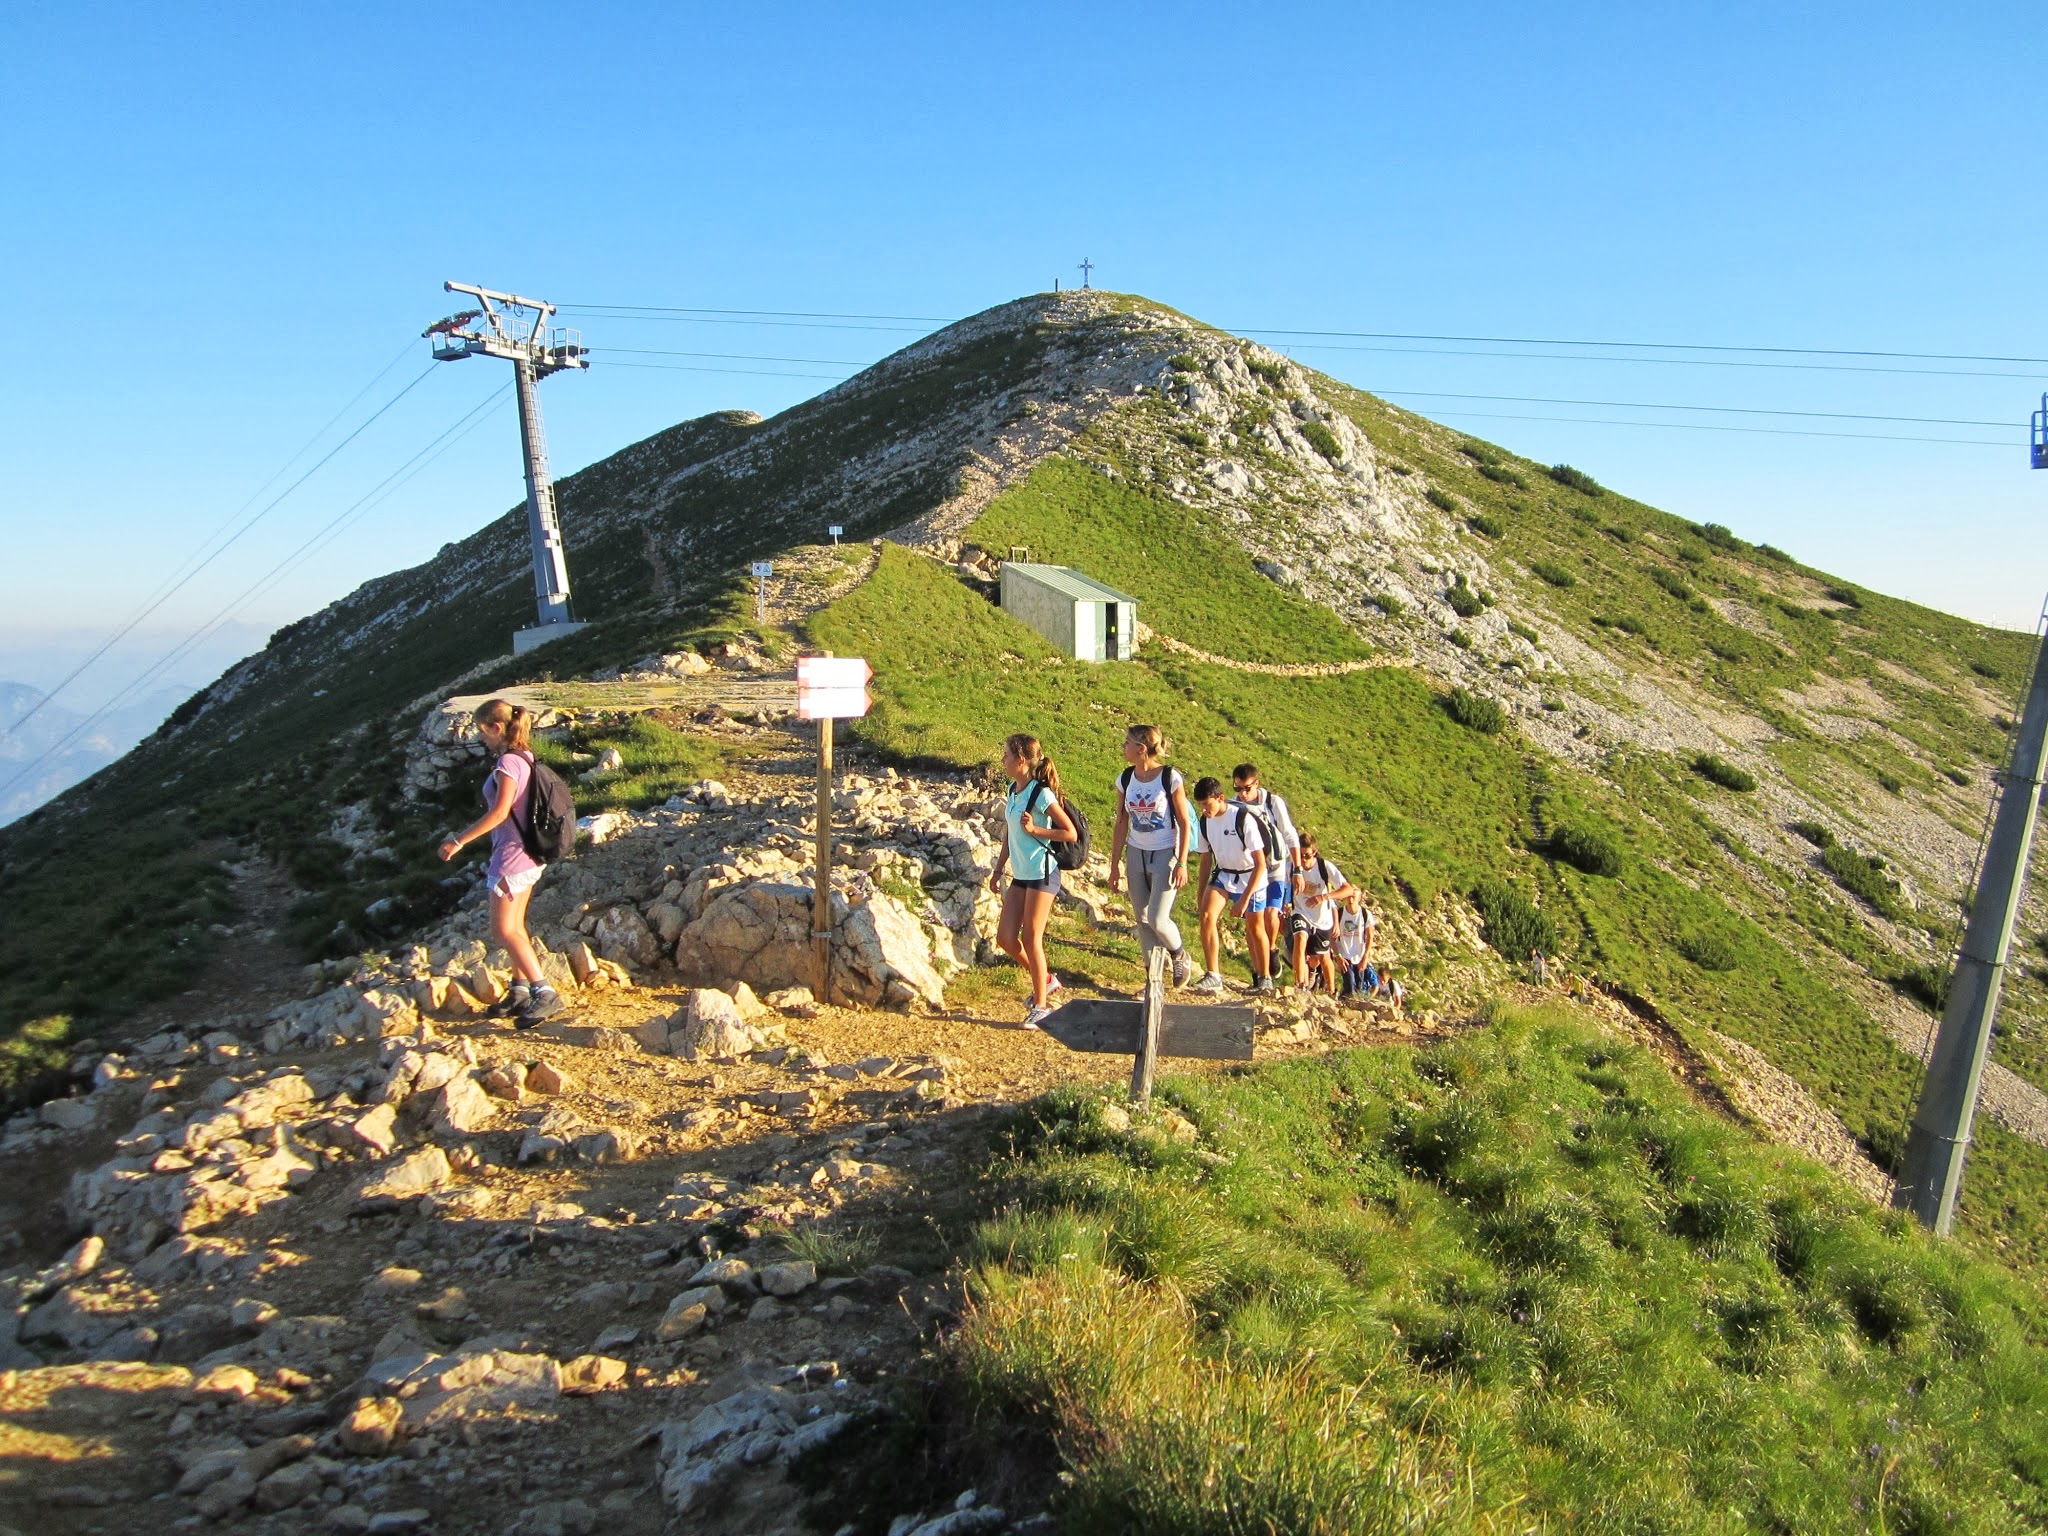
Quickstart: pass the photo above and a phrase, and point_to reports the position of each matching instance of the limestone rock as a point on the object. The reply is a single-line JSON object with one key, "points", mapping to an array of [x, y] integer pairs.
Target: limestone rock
{"points": [[382, 1014], [505, 1081], [414, 1174], [789, 1278], [459, 1107], [623, 935], [377, 1129], [69, 1114], [372, 1426], [545, 1077], [708, 1027], [591, 1373], [750, 1007]]}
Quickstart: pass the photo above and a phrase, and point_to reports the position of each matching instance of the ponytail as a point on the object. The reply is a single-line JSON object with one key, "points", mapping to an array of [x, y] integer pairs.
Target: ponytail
{"points": [[1151, 739], [515, 719]]}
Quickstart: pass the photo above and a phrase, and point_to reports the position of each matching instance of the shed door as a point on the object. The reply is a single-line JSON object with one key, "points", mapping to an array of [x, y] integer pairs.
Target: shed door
{"points": [[1105, 627]]}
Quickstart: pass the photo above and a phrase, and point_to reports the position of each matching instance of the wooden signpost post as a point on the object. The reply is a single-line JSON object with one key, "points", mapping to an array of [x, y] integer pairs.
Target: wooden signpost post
{"points": [[1153, 1027], [828, 688]]}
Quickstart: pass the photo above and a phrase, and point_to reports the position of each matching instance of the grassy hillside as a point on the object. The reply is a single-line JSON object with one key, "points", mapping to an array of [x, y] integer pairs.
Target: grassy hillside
{"points": [[1410, 803], [1511, 1283]]}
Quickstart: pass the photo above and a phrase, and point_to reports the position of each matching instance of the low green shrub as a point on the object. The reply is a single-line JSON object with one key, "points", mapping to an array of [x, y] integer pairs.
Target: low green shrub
{"points": [[1552, 572], [1772, 552], [1576, 480], [1708, 951], [1512, 923], [1463, 601], [1479, 453], [32, 1060], [1986, 669], [1626, 623], [1585, 847], [1184, 361], [1891, 783], [1671, 582], [1955, 776], [1475, 711], [1718, 770], [1194, 437], [1730, 648], [1844, 595], [1323, 440], [1522, 631], [1487, 524], [1387, 603], [1441, 499], [1500, 474], [1927, 983], [1460, 639], [1863, 875], [1693, 554], [1272, 373], [1718, 536], [1814, 833], [1619, 532]]}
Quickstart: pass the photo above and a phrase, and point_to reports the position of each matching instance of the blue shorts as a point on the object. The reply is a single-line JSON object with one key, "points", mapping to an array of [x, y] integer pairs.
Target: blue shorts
{"points": [[1276, 896], [1232, 883], [1049, 881]]}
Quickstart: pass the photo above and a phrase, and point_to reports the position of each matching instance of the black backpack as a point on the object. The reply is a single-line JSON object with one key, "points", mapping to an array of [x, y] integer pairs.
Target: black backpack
{"points": [[548, 829], [1071, 856], [1269, 833]]}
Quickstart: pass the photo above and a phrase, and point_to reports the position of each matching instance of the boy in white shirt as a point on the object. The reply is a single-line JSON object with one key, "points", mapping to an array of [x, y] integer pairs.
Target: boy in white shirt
{"points": [[1357, 927], [1319, 886], [1233, 873], [1283, 843]]}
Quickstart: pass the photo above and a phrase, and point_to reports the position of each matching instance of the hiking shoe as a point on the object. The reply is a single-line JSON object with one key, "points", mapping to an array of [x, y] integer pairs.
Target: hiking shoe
{"points": [[545, 1003], [1210, 982], [1035, 1016], [1263, 984], [1183, 968], [1052, 984], [514, 1001]]}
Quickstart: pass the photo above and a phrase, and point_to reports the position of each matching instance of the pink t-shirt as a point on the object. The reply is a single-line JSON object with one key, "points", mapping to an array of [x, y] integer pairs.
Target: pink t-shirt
{"points": [[508, 851]]}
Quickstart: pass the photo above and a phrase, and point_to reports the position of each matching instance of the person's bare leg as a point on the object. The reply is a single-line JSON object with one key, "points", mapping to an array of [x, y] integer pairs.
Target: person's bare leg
{"points": [[1011, 922], [1301, 959], [508, 923], [1256, 941], [1031, 937]]}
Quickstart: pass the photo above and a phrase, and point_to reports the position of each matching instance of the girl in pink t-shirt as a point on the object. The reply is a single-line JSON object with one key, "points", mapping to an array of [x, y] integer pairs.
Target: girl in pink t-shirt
{"points": [[507, 729]]}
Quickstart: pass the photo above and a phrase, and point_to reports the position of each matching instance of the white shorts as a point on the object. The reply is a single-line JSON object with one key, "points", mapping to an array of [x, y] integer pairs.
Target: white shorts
{"points": [[519, 880]]}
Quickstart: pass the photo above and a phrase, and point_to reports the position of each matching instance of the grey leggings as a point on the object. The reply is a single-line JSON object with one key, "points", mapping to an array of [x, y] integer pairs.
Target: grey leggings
{"points": [[1149, 872]]}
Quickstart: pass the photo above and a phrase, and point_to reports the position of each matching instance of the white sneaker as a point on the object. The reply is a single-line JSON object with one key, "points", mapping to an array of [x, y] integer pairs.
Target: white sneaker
{"points": [[1183, 968], [1210, 982], [1035, 1016], [1052, 984]]}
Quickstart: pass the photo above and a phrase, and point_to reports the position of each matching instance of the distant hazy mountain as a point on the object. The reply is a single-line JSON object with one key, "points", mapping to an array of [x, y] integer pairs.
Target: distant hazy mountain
{"points": [[44, 754]]}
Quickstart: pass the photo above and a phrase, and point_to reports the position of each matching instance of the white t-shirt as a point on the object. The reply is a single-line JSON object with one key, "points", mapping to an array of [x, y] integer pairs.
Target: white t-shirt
{"points": [[1218, 836], [1352, 928], [1312, 887], [1149, 808], [1274, 810]]}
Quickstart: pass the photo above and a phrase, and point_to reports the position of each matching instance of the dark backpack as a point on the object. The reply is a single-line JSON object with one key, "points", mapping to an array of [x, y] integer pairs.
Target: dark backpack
{"points": [[1071, 856], [548, 829], [1269, 833]]}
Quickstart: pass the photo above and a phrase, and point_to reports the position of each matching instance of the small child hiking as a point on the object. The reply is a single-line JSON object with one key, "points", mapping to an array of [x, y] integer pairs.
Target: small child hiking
{"points": [[1027, 854], [1282, 844], [1150, 844], [1319, 886], [1233, 874], [1357, 928], [511, 875]]}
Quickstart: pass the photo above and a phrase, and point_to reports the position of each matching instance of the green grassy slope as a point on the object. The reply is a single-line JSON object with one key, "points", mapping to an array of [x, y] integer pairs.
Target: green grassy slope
{"points": [[1511, 1283], [1410, 803]]}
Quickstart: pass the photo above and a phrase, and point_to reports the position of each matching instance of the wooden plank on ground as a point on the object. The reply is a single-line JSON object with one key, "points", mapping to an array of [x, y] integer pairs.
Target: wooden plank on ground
{"points": [[1204, 1031]]}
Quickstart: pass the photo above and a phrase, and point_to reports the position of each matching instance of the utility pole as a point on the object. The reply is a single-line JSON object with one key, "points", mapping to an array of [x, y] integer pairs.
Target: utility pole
{"points": [[1087, 267], [1931, 1172], [535, 351]]}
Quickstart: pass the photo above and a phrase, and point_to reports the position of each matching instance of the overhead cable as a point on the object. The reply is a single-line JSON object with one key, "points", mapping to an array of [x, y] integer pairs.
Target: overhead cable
{"points": [[164, 595]]}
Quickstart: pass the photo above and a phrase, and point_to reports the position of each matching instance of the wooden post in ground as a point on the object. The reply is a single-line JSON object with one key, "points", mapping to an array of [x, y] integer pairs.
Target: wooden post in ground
{"points": [[1148, 1030], [821, 898]]}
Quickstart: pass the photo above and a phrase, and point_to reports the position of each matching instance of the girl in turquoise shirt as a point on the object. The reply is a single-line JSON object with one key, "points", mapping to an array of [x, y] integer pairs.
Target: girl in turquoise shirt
{"points": [[1034, 878]]}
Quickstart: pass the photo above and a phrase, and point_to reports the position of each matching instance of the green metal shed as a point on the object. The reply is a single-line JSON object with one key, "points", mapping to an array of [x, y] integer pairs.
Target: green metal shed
{"points": [[1084, 618]]}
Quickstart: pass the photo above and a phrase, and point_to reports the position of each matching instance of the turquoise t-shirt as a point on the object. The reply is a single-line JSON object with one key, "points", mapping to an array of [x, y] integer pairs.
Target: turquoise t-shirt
{"points": [[1030, 857]]}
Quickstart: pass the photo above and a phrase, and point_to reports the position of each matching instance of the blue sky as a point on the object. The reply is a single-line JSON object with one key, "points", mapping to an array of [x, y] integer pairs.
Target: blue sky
{"points": [[224, 221]]}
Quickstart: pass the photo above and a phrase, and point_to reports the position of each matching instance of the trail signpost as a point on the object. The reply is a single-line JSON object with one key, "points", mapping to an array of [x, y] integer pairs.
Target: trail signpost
{"points": [[763, 569], [828, 688], [835, 530], [1152, 1027]]}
